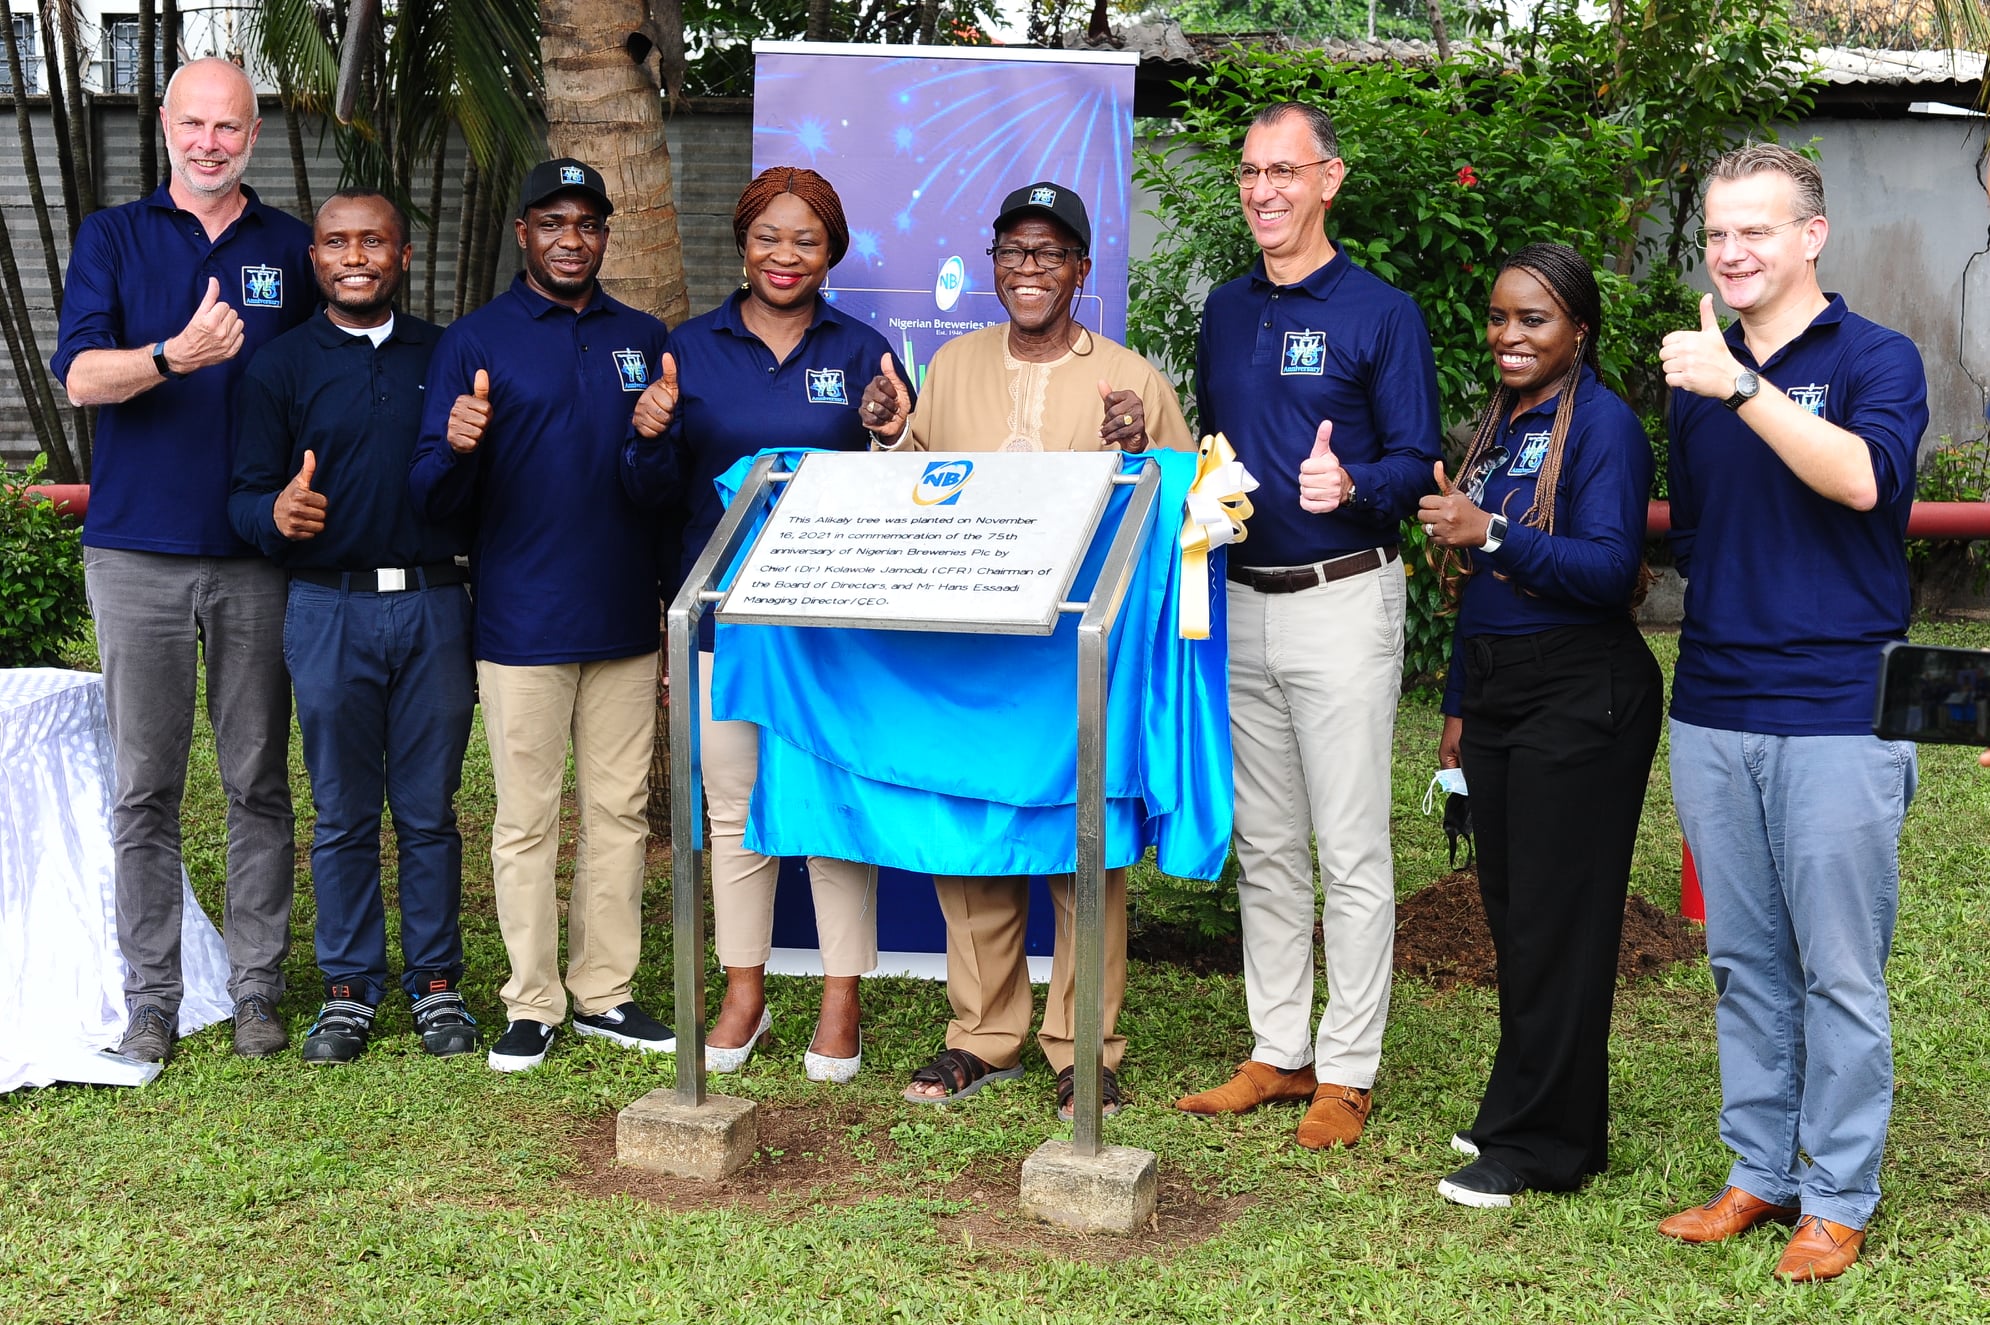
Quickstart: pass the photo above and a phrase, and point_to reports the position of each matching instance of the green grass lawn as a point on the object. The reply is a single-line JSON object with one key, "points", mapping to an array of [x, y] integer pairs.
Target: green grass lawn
{"points": [[409, 1189]]}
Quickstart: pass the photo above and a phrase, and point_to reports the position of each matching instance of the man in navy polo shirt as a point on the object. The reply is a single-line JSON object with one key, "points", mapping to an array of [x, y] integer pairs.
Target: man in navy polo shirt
{"points": [[531, 425], [1322, 377], [166, 300], [377, 634], [1793, 462]]}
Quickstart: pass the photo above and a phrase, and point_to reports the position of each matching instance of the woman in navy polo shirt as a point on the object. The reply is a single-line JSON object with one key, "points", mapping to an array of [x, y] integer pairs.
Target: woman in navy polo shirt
{"points": [[1553, 707], [774, 365]]}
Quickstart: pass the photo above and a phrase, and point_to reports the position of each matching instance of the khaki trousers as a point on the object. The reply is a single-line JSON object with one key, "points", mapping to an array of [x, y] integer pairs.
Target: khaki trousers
{"points": [[1314, 677], [988, 977], [608, 710], [846, 892]]}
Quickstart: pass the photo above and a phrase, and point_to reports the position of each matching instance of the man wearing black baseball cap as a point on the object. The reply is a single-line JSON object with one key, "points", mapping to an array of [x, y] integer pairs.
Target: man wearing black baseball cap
{"points": [[1038, 382], [530, 404]]}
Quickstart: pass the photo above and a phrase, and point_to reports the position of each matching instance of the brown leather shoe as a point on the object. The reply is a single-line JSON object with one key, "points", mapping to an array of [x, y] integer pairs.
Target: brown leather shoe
{"points": [[1255, 1083], [1338, 1115], [1820, 1250], [1733, 1211]]}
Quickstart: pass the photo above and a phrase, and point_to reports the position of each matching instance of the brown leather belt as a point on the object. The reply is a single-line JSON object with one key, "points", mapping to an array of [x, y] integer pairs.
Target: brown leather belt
{"points": [[1293, 579]]}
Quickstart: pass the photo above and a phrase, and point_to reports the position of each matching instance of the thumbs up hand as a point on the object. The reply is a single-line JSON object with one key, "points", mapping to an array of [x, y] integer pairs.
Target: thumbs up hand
{"points": [[887, 404], [213, 335], [1126, 419], [658, 404], [1448, 516], [300, 512], [470, 415], [1323, 484], [1700, 361]]}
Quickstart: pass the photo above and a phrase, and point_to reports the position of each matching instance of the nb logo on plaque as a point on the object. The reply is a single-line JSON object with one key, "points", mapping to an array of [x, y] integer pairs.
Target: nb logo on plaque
{"points": [[941, 482]]}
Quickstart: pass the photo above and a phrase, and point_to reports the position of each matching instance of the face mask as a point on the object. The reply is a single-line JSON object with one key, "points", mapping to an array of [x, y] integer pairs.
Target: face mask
{"points": [[1450, 781]]}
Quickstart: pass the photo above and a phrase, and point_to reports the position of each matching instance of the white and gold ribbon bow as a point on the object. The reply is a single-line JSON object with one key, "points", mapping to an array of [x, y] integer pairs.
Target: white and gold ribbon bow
{"points": [[1217, 509]]}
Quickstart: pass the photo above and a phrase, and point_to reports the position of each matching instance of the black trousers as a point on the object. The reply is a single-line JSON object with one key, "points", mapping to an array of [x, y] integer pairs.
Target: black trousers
{"points": [[1559, 732]]}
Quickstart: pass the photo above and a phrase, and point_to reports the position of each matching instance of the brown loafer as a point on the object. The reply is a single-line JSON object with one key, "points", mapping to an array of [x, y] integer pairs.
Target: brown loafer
{"points": [[1255, 1083], [1733, 1211], [1820, 1250], [1337, 1117]]}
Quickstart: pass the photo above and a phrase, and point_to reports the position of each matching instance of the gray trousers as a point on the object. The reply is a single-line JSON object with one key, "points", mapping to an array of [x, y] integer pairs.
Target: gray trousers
{"points": [[156, 615]]}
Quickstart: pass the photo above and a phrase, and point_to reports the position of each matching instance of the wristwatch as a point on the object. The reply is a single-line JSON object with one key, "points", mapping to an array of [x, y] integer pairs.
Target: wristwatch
{"points": [[1746, 384], [159, 362], [1495, 534]]}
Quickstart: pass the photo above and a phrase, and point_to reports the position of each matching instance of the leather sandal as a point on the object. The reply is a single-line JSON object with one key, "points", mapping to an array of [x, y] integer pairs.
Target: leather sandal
{"points": [[1110, 1101], [960, 1073]]}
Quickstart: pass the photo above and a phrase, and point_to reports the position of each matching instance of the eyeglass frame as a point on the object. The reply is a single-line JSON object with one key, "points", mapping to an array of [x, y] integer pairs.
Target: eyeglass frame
{"points": [[1747, 235], [1291, 168], [1065, 252]]}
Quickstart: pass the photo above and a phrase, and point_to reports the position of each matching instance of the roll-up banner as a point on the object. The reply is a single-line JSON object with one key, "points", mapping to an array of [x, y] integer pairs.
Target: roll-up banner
{"points": [[923, 143]]}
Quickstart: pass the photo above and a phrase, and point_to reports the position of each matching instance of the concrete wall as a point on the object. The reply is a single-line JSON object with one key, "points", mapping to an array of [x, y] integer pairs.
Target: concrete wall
{"points": [[711, 157]]}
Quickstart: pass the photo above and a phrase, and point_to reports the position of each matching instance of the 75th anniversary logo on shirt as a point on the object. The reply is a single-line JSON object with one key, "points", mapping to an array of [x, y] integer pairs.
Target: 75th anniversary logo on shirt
{"points": [[825, 387], [1305, 354], [632, 368], [262, 287]]}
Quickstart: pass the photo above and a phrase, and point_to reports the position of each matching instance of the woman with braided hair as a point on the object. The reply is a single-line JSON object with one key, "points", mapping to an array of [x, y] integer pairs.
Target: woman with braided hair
{"points": [[776, 364], [1552, 709]]}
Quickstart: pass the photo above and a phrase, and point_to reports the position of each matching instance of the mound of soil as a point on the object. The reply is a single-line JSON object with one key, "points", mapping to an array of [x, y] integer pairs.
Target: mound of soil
{"points": [[1441, 936]]}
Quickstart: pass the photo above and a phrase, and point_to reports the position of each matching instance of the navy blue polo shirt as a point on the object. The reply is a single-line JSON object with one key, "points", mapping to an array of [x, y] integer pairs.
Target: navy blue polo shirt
{"points": [[1789, 595], [1586, 571], [563, 494], [358, 410], [1275, 360], [159, 479], [734, 400]]}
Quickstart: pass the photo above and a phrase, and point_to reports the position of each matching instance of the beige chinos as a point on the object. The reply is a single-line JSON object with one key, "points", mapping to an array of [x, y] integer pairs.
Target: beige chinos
{"points": [[1314, 677], [846, 892], [608, 710]]}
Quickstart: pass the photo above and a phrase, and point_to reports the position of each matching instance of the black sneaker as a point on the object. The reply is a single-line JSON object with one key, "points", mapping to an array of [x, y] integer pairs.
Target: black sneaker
{"points": [[149, 1036], [445, 1024], [522, 1047], [340, 1032], [258, 1032], [631, 1026], [1485, 1183]]}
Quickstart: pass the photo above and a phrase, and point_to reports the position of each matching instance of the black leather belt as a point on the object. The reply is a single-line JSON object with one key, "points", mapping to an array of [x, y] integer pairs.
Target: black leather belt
{"points": [[1292, 579], [385, 579]]}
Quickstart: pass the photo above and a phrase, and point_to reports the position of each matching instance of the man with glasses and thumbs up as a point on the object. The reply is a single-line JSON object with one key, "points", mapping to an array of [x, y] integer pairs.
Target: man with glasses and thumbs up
{"points": [[1321, 376], [377, 631], [531, 425]]}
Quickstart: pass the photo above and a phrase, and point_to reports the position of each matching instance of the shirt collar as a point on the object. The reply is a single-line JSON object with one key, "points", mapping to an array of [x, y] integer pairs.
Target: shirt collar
{"points": [[1832, 314], [538, 305], [731, 320], [331, 336], [161, 199], [1585, 386], [1318, 284]]}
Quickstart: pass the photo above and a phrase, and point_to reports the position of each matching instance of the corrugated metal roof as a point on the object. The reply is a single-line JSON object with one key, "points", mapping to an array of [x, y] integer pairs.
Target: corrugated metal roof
{"points": [[1861, 65]]}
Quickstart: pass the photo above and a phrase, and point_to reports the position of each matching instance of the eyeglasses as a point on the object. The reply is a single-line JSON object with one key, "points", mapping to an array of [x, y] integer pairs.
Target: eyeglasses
{"points": [[1753, 234], [1279, 174], [1009, 257]]}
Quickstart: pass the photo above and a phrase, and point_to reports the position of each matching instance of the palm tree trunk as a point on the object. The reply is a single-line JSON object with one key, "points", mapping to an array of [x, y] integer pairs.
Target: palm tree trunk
{"points": [[818, 20], [293, 132], [31, 160], [58, 112], [492, 247], [1443, 39], [84, 171], [467, 229], [148, 96], [434, 227], [169, 38], [21, 344], [929, 21]]}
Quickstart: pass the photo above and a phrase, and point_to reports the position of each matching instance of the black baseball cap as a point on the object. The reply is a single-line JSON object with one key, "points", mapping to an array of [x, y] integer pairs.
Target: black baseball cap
{"points": [[563, 175], [1046, 198]]}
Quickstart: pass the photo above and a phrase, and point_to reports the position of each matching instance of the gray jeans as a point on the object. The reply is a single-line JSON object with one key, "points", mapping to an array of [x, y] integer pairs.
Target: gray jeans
{"points": [[156, 614]]}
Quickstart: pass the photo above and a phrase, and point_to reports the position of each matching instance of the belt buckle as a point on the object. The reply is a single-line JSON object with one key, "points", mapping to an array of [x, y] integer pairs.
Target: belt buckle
{"points": [[390, 579]]}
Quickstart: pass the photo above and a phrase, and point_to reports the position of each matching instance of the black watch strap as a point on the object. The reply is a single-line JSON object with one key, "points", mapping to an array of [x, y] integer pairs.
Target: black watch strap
{"points": [[159, 362]]}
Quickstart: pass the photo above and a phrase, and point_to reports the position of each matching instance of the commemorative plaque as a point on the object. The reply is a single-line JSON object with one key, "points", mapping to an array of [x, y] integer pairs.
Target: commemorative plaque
{"points": [[982, 541]]}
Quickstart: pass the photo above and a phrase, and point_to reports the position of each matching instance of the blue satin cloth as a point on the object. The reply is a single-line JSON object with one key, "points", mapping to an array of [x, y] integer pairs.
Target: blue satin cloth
{"points": [[957, 754]]}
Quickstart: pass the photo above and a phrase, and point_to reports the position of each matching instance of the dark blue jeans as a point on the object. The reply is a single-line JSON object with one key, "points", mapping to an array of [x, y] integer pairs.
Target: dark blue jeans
{"points": [[385, 690]]}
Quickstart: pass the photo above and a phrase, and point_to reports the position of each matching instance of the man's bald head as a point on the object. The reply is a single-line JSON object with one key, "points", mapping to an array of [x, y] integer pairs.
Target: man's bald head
{"points": [[210, 121]]}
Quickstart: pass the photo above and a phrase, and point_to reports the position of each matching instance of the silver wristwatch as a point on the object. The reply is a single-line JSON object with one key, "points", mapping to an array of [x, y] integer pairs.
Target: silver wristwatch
{"points": [[1746, 385]]}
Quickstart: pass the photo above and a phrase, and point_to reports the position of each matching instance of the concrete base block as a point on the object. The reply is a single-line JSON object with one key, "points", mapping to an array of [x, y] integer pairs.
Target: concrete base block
{"points": [[660, 1133], [1110, 1192]]}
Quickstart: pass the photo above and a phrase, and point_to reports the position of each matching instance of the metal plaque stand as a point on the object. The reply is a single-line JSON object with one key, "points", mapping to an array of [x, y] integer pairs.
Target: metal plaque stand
{"points": [[1080, 1183]]}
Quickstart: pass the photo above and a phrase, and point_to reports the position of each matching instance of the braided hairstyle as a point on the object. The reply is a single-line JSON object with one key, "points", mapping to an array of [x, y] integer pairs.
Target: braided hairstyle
{"points": [[1567, 277], [815, 193]]}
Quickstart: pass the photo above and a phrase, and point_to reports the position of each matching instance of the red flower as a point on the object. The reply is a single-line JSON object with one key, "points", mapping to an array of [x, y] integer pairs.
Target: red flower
{"points": [[1467, 177]]}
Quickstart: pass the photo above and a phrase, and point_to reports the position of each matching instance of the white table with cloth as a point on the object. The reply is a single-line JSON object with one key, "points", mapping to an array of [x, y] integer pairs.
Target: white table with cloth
{"points": [[61, 974]]}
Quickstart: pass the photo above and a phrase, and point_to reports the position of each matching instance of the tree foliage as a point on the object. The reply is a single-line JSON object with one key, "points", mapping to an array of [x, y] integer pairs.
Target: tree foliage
{"points": [[719, 34]]}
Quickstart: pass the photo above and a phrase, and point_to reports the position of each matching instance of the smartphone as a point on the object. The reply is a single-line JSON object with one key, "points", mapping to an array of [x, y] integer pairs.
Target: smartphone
{"points": [[1933, 694]]}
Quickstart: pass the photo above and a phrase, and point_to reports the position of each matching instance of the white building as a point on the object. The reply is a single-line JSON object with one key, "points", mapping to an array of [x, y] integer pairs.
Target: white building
{"points": [[107, 32]]}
